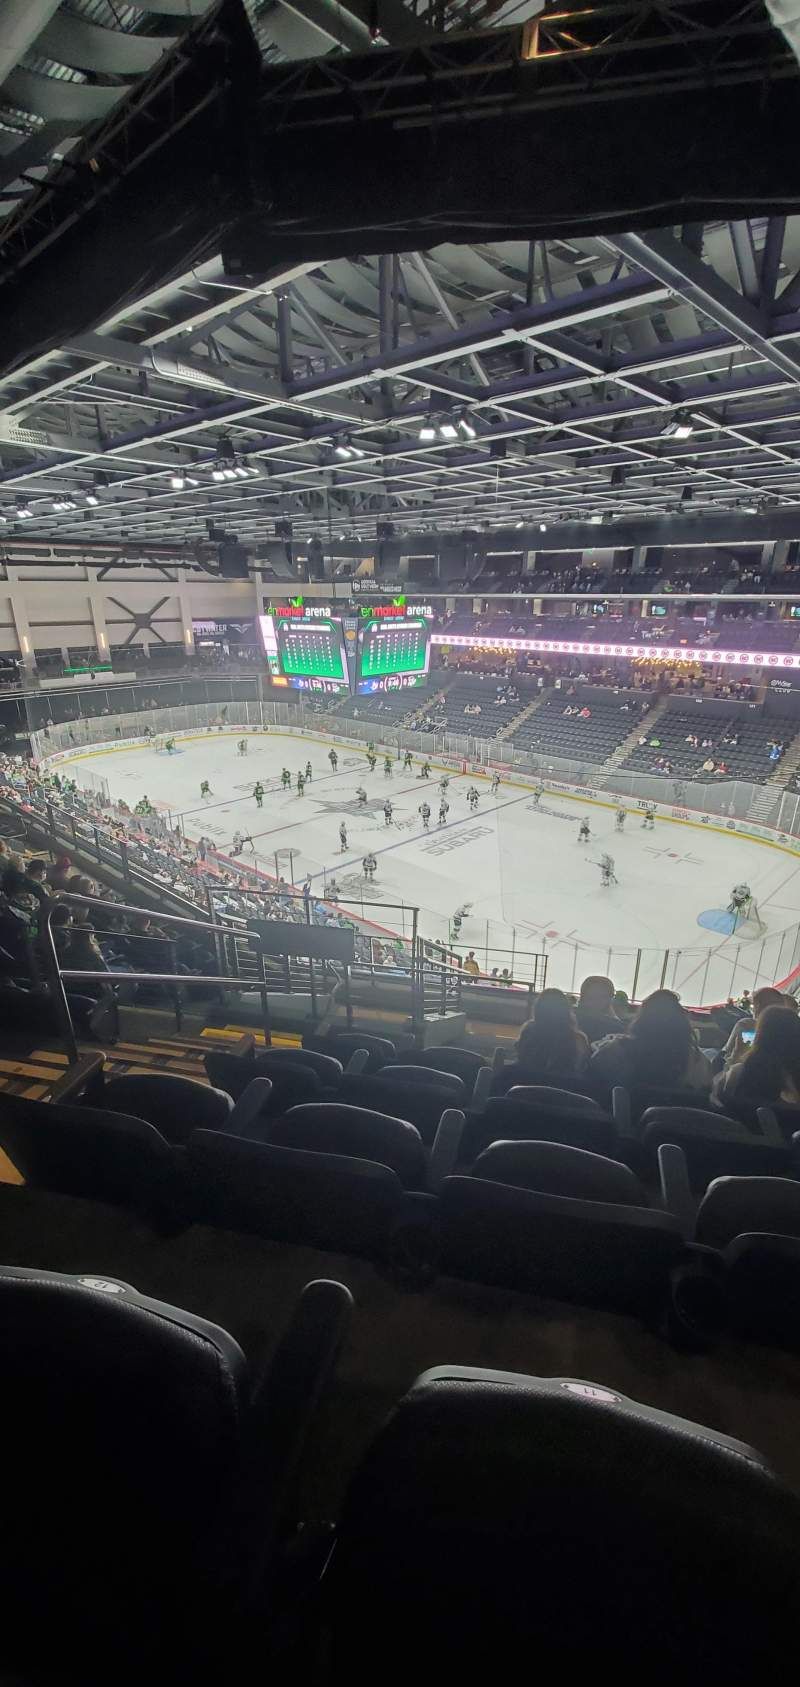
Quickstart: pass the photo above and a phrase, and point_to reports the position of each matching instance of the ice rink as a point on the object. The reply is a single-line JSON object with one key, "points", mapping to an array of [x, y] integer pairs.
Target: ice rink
{"points": [[528, 883]]}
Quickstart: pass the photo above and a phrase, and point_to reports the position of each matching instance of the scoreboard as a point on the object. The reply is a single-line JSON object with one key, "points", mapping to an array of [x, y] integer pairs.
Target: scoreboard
{"points": [[393, 651], [305, 649]]}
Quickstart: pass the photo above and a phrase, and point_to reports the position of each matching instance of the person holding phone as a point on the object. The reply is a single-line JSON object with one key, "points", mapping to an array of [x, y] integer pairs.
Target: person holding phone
{"points": [[736, 1046], [769, 1070]]}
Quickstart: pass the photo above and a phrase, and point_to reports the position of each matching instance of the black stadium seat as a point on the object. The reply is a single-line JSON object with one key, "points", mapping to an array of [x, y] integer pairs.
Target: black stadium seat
{"points": [[715, 1146], [149, 1472], [333, 1128], [174, 1104], [463, 1063], [503, 1526], [341, 1044], [80, 1150], [556, 1169], [292, 1080], [509, 1116], [422, 1104], [403, 1074]]}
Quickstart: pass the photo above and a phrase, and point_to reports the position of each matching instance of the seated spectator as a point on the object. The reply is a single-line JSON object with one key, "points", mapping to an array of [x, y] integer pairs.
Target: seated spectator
{"points": [[58, 875], [658, 1048], [770, 1070], [768, 997], [551, 1041], [594, 1013]]}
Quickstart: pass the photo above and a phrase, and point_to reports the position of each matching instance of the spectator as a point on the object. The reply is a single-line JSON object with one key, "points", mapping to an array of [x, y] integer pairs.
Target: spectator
{"points": [[471, 966], [550, 1042], [770, 1070], [595, 1014], [736, 1048], [58, 875], [658, 1048]]}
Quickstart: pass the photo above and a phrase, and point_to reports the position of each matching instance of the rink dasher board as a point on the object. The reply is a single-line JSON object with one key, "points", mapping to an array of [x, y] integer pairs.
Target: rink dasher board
{"points": [[676, 813]]}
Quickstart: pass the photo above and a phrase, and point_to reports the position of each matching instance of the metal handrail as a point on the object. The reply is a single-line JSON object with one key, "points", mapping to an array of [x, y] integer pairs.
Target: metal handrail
{"points": [[57, 975]]}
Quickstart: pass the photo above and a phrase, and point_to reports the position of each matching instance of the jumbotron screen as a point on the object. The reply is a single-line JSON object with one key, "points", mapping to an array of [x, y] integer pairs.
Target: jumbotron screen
{"points": [[393, 652], [305, 649]]}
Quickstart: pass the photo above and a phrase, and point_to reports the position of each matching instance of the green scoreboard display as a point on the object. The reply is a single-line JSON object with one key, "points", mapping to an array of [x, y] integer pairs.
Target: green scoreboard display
{"points": [[393, 650], [305, 649]]}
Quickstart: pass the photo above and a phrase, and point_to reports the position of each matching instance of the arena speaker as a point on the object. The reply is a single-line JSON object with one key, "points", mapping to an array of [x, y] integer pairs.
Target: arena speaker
{"points": [[234, 560]]}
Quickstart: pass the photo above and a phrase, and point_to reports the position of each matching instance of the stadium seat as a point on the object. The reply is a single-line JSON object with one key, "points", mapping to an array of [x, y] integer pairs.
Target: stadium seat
{"points": [[149, 1476], [599, 1251], [714, 1145], [628, 1105], [500, 1524], [79, 1150], [292, 1081], [463, 1063], [733, 1205], [422, 1104], [175, 1105], [754, 1222], [435, 1078], [553, 1168], [361, 1133], [512, 1116], [341, 1044], [513, 1074], [293, 1195]]}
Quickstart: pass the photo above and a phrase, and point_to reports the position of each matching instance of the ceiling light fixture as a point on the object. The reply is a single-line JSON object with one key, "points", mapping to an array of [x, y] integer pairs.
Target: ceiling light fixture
{"points": [[217, 474], [447, 430], [92, 498], [177, 481], [427, 432], [24, 512], [596, 520], [467, 428]]}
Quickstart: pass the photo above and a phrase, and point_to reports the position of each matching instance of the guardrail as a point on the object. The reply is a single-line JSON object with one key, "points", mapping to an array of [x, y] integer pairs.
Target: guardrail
{"points": [[58, 976]]}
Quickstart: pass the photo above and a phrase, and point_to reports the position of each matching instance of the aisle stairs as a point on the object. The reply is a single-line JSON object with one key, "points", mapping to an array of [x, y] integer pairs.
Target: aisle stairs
{"points": [[642, 724], [524, 714], [765, 805], [787, 767]]}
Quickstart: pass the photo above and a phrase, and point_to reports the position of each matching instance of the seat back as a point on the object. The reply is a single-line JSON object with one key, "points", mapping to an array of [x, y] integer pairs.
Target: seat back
{"points": [[341, 1044], [125, 1415], [291, 1194], [79, 1150], [328, 1069], [763, 1287], [507, 1117], [715, 1146], [514, 1073], [556, 1169], [733, 1206], [599, 1252], [557, 1100], [292, 1081], [174, 1105], [421, 1104], [471, 1511], [360, 1133], [463, 1063], [426, 1075]]}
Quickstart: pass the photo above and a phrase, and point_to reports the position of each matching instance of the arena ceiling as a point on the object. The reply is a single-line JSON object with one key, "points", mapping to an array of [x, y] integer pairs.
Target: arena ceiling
{"points": [[515, 385]]}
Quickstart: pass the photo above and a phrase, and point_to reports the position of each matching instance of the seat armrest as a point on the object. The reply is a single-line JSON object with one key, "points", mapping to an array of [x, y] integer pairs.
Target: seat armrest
{"points": [[482, 1090], [769, 1127], [676, 1191], [86, 1074], [444, 1152], [621, 1109], [358, 1063], [250, 1106]]}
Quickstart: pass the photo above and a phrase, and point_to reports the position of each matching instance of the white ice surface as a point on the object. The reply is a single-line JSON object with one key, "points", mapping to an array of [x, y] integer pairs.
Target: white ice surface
{"points": [[530, 884]]}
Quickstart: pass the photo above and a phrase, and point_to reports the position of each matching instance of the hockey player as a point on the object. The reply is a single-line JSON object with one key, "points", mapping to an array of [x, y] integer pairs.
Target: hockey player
{"points": [[495, 784], [424, 810], [241, 748], [342, 837], [246, 839], [301, 785], [361, 795], [472, 797], [444, 783], [333, 759], [205, 790], [286, 780], [583, 830], [388, 770], [444, 810], [741, 895], [258, 790], [369, 864], [236, 846], [370, 748], [649, 820], [387, 813], [619, 819], [308, 772], [407, 762], [169, 746], [538, 793], [607, 875], [372, 759], [425, 771]]}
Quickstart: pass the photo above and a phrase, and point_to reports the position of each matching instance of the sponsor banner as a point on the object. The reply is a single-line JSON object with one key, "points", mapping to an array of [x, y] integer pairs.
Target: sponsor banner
{"points": [[640, 652]]}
